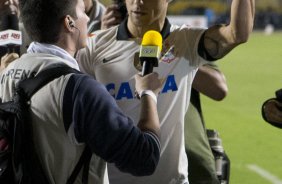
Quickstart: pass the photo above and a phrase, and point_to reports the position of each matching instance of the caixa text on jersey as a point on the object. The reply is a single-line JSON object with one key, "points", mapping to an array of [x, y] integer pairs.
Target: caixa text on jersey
{"points": [[125, 91]]}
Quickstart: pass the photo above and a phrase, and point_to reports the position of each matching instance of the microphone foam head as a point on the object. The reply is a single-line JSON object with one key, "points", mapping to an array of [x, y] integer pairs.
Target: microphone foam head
{"points": [[152, 38]]}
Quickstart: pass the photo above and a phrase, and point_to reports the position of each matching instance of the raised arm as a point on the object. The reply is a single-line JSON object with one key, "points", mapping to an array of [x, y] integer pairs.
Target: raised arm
{"points": [[221, 39], [99, 122]]}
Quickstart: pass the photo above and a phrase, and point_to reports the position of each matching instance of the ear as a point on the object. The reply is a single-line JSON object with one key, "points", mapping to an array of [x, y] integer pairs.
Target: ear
{"points": [[69, 23]]}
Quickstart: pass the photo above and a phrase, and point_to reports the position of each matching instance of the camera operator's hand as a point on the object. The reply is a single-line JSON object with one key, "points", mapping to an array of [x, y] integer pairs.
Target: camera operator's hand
{"points": [[7, 59], [272, 113], [111, 17], [9, 7]]}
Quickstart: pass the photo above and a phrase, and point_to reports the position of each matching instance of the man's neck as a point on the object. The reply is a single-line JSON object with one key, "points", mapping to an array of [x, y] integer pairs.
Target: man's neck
{"points": [[67, 47], [139, 31]]}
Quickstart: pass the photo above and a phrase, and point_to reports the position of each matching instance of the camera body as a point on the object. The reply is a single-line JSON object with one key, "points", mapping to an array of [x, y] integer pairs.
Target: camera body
{"points": [[222, 162], [271, 110]]}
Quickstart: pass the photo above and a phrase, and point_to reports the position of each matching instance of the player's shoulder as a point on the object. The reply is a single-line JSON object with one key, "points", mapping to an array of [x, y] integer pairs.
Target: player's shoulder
{"points": [[102, 37], [186, 27], [104, 33]]}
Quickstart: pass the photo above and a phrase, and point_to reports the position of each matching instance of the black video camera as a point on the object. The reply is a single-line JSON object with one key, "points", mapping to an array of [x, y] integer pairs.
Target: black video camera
{"points": [[272, 110], [222, 162]]}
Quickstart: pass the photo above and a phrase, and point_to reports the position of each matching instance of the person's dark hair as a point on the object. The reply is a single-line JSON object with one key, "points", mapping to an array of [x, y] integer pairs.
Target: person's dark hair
{"points": [[42, 18]]}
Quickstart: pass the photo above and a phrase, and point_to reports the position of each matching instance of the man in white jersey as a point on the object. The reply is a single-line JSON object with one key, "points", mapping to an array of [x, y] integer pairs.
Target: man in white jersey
{"points": [[75, 111], [112, 58]]}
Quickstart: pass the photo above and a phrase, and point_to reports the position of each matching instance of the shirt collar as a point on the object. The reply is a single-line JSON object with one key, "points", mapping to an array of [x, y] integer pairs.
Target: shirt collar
{"points": [[124, 34], [36, 47]]}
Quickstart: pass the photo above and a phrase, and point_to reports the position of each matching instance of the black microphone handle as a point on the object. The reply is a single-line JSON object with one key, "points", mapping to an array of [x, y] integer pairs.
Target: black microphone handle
{"points": [[147, 67], [9, 49], [10, 21]]}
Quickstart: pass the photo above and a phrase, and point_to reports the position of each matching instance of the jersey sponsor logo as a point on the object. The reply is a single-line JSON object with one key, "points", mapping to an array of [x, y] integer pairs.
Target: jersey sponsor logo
{"points": [[17, 74], [124, 91]]}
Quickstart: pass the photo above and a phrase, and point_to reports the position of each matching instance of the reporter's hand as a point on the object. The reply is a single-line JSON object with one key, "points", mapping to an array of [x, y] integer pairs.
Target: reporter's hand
{"points": [[9, 7], [111, 17], [7, 59], [148, 82]]}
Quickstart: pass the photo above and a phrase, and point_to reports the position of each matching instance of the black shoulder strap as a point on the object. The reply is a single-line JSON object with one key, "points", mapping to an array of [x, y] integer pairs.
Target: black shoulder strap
{"points": [[84, 160], [32, 85]]}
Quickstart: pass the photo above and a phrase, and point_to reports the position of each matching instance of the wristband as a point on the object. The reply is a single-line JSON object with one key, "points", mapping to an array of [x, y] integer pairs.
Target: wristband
{"points": [[150, 93]]}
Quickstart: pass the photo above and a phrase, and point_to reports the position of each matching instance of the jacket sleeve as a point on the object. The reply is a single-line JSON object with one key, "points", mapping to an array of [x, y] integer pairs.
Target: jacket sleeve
{"points": [[99, 122]]}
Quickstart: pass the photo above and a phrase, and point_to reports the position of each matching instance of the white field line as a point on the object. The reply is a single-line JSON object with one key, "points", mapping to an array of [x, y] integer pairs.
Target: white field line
{"points": [[265, 174]]}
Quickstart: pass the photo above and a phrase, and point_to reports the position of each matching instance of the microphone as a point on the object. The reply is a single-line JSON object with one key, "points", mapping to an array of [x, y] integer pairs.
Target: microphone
{"points": [[10, 36], [150, 51]]}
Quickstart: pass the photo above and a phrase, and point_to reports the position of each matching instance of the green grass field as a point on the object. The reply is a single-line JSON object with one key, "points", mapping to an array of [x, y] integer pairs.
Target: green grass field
{"points": [[254, 73]]}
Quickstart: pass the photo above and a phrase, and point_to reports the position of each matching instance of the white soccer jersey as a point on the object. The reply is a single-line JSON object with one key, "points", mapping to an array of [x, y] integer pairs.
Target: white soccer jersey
{"points": [[112, 58]]}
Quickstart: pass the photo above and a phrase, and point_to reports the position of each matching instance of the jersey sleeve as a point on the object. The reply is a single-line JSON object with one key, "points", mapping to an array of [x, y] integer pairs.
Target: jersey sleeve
{"points": [[98, 122], [186, 41]]}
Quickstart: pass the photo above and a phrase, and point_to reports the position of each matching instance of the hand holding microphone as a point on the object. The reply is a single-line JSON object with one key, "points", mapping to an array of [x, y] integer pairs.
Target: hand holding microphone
{"points": [[148, 85], [10, 36], [7, 59], [111, 17], [150, 51], [9, 7]]}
